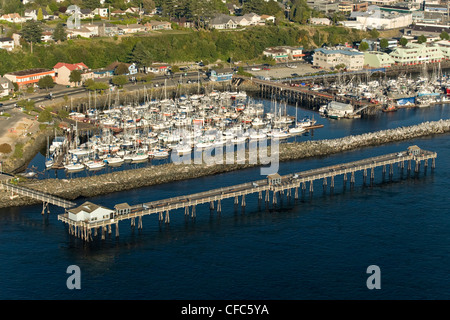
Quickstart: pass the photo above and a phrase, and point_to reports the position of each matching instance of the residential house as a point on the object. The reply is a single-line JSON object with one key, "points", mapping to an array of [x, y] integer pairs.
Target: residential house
{"points": [[252, 18], [329, 58], [131, 28], [132, 69], [29, 77], [108, 30], [63, 71], [102, 12], [222, 21], [47, 36], [6, 87], [134, 10], [118, 13], [320, 21], [90, 212], [415, 53], [86, 14], [267, 18], [183, 22], [13, 17], [7, 43], [81, 32], [158, 25], [241, 21], [377, 59], [219, 75], [94, 28]]}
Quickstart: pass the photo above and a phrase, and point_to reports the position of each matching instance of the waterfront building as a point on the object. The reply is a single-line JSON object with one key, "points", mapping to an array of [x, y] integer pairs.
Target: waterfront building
{"points": [[328, 58], [90, 212], [29, 76], [218, 75], [338, 109], [444, 46], [284, 53], [377, 59], [415, 53], [122, 208], [274, 179], [375, 18]]}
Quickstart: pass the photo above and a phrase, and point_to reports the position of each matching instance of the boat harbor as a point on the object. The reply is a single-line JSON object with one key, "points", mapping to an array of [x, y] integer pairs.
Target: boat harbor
{"points": [[86, 220], [153, 130]]}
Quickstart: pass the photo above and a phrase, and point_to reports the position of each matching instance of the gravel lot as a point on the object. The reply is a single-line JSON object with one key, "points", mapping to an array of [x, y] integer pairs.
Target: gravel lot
{"points": [[282, 71]]}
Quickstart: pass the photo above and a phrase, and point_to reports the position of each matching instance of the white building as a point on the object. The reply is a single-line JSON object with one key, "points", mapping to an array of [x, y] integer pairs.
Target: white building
{"points": [[444, 46], [339, 110], [320, 21], [7, 43], [90, 212], [328, 58], [6, 87], [375, 18], [102, 12], [415, 53]]}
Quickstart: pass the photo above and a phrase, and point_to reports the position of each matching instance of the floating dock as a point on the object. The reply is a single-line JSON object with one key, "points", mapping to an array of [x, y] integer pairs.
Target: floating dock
{"points": [[270, 187]]}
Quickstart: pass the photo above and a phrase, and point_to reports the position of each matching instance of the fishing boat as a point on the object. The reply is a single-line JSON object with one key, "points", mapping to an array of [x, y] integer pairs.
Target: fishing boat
{"points": [[389, 108]]}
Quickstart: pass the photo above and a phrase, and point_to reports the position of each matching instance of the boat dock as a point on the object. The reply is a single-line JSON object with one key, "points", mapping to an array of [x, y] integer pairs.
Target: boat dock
{"points": [[271, 188]]}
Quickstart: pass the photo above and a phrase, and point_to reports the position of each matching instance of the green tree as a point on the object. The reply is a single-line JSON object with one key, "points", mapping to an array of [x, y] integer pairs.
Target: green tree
{"points": [[75, 76], [363, 46], [403, 42], [40, 15], [140, 55], [421, 39], [59, 34], [91, 4], [46, 82], [384, 43], [32, 32], [45, 116], [444, 35], [121, 69], [374, 33], [119, 80]]}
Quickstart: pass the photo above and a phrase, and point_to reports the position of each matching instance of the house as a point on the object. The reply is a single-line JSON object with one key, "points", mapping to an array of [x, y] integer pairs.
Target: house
{"points": [[7, 43], [102, 12], [329, 58], [6, 87], [86, 14], [414, 150], [183, 22], [47, 36], [274, 179], [13, 17], [118, 13], [320, 21], [252, 18], [63, 71], [90, 212], [134, 10], [241, 21], [222, 21], [108, 30], [218, 75], [267, 18], [132, 28], [132, 69], [29, 77], [158, 25], [82, 32]]}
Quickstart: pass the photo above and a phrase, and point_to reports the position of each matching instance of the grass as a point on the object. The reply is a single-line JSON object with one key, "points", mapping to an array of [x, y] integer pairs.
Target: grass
{"points": [[18, 150]]}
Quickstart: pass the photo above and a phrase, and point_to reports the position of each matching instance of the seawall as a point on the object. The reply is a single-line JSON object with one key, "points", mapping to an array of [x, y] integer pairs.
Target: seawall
{"points": [[154, 175]]}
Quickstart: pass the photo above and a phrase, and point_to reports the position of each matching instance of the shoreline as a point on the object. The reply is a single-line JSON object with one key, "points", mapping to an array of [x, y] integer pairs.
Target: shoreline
{"points": [[155, 175]]}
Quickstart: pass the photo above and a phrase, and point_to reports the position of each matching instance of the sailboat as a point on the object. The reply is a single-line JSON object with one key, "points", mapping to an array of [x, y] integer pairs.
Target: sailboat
{"points": [[298, 128]]}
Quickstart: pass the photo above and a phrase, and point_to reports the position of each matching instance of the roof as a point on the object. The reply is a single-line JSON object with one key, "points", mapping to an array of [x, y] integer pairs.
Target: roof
{"points": [[122, 206], [71, 67], [274, 176], [6, 39], [340, 51], [88, 207], [29, 72]]}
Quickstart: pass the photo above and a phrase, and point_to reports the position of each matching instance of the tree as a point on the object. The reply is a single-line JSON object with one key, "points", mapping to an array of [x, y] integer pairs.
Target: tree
{"points": [[119, 80], [421, 39], [403, 42], [45, 116], [444, 35], [32, 32], [91, 4], [140, 55], [121, 69], [75, 76], [384, 43], [40, 15], [363, 46], [59, 34], [374, 33], [46, 82]]}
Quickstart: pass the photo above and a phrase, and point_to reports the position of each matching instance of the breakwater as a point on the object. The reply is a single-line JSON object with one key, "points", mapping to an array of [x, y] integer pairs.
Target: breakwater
{"points": [[153, 175]]}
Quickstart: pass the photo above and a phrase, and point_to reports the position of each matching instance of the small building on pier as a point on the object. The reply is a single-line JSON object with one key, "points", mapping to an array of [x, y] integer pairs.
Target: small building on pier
{"points": [[90, 212], [274, 179], [414, 150], [122, 208]]}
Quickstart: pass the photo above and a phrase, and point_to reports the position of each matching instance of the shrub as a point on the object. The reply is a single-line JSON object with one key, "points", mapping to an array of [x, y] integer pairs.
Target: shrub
{"points": [[5, 148]]}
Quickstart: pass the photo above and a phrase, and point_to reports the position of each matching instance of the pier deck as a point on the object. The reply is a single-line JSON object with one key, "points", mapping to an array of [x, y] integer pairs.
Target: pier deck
{"points": [[284, 183]]}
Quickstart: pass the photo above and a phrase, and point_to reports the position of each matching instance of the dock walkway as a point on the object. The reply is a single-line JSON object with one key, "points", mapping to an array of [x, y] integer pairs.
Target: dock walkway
{"points": [[273, 184]]}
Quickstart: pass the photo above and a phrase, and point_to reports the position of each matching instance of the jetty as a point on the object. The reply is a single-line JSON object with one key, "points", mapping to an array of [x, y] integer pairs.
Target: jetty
{"points": [[87, 225]]}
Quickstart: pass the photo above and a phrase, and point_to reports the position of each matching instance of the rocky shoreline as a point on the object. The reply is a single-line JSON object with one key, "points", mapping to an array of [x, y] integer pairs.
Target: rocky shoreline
{"points": [[154, 175]]}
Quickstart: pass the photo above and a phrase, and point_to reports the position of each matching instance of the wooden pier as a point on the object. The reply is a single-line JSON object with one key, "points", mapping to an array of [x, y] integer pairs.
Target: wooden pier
{"points": [[38, 195], [267, 189]]}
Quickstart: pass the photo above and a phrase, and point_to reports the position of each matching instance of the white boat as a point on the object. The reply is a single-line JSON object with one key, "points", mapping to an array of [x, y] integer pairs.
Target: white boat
{"points": [[257, 136], [182, 149], [279, 134], [298, 129], [139, 158], [74, 167], [114, 162], [237, 140], [49, 163], [160, 154], [94, 165]]}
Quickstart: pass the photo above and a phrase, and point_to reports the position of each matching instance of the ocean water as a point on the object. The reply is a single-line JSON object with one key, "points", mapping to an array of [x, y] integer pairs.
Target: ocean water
{"points": [[318, 247]]}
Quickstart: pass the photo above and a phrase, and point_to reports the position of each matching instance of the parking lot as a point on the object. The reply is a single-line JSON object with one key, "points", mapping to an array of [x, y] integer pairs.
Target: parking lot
{"points": [[281, 71]]}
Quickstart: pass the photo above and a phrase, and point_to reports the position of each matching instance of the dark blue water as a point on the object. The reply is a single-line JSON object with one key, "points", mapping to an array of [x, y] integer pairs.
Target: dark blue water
{"points": [[316, 248]]}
